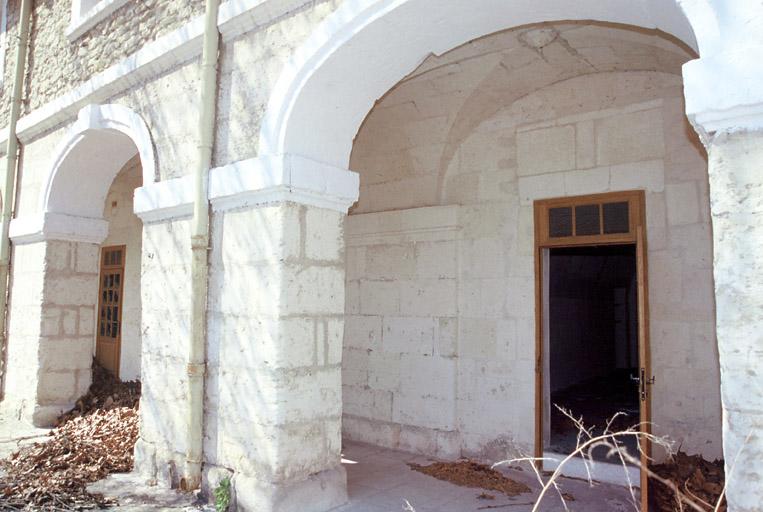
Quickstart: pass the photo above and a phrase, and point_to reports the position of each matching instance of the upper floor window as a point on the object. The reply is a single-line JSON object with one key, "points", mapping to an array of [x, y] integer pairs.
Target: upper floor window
{"points": [[86, 13]]}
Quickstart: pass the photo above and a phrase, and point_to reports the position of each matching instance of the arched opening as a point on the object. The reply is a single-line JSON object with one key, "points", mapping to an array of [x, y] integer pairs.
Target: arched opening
{"points": [[353, 58], [87, 296], [434, 250], [439, 347], [118, 324]]}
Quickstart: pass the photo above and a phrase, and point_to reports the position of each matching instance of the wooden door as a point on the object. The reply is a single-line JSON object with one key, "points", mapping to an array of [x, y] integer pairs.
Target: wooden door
{"points": [[583, 221], [109, 332], [645, 371]]}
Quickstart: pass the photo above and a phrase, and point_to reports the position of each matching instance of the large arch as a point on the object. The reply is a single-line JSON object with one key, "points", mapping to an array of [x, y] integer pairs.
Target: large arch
{"points": [[351, 59]]}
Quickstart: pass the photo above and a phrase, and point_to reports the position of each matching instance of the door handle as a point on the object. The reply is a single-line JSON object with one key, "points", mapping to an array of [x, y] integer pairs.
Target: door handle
{"points": [[643, 383]]}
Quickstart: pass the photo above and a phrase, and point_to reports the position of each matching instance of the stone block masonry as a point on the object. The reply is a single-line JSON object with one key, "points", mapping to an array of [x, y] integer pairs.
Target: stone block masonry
{"points": [[738, 234], [275, 337], [273, 387], [412, 301], [51, 328]]}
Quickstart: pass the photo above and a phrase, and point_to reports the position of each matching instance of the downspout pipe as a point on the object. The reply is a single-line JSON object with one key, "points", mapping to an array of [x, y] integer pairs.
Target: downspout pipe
{"points": [[200, 250], [9, 183]]}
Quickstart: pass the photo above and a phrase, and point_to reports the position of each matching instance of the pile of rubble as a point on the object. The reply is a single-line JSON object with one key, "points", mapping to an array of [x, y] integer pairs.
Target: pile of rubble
{"points": [[90, 442], [699, 480]]}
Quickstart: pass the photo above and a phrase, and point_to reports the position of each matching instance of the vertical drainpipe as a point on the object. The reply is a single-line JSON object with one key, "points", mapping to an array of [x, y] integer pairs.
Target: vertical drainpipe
{"points": [[9, 183], [200, 251]]}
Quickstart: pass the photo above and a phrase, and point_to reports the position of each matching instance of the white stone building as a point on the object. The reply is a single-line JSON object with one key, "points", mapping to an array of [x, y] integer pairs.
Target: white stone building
{"points": [[383, 262]]}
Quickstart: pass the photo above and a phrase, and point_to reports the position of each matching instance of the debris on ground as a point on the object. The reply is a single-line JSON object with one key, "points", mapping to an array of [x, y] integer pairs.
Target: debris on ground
{"points": [[698, 479], [567, 496], [106, 392], [91, 441], [485, 496], [466, 473]]}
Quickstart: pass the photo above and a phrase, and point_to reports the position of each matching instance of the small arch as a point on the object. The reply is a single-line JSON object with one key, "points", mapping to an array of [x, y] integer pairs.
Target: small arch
{"points": [[366, 46], [96, 147]]}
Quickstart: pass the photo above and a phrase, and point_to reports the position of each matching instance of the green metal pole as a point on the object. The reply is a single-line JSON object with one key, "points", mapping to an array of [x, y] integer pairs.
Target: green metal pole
{"points": [[200, 250]]}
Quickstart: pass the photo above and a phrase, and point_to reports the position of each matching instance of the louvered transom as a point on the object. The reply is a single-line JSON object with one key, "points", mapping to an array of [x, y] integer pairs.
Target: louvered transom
{"points": [[600, 218]]}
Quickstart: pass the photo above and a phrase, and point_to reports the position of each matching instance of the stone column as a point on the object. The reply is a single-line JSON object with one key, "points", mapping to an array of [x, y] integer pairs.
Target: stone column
{"points": [[273, 396], [276, 324], [736, 190], [160, 451], [51, 328]]}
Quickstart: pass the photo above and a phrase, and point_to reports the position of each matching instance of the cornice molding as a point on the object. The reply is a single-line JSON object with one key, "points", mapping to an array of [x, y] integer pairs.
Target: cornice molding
{"points": [[57, 226]]}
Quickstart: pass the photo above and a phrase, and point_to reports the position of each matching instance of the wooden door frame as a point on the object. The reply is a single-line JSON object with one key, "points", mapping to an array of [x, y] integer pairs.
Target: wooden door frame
{"points": [[635, 237], [101, 269]]}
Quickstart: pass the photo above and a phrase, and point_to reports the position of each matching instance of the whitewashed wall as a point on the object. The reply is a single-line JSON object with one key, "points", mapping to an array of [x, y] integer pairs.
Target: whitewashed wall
{"points": [[491, 127]]}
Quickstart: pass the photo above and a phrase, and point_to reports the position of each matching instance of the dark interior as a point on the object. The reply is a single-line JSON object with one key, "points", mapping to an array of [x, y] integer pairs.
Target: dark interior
{"points": [[593, 346]]}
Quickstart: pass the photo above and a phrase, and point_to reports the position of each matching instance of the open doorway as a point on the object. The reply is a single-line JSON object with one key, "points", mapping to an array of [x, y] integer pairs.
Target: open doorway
{"points": [[592, 343], [592, 326]]}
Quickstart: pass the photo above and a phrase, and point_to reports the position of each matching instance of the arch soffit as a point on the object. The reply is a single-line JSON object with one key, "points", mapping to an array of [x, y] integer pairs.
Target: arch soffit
{"points": [[93, 118], [351, 56]]}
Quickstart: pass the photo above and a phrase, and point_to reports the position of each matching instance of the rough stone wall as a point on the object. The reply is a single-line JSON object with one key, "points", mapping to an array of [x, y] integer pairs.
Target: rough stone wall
{"points": [[11, 36], [125, 228], [490, 127], [123, 33], [737, 204], [249, 68], [49, 363], [169, 103]]}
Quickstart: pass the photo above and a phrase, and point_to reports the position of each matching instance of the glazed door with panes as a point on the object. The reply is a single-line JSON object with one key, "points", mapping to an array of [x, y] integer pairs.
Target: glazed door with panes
{"points": [[109, 333]]}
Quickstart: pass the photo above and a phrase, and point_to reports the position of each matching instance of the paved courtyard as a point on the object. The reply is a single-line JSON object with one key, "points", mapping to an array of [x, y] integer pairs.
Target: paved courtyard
{"points": [[379, 480]]}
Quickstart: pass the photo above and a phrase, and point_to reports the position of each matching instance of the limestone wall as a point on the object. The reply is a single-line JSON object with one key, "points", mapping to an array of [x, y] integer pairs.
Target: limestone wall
{"points": [[51, 328], [165, 306], [273, 385], [125, 229], [24, 329], [737, 206], [249, 68], [273, 390], [491, 127], [57, 64], [169, 101]]}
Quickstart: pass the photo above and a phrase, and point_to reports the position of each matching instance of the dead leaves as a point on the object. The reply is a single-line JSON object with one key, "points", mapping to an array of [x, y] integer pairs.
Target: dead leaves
{"points": [[698, 479], [467, 473], [93, 440]]}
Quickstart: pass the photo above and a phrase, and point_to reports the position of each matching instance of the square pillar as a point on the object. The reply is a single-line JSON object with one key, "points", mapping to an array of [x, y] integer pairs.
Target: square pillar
{"points": [[736, 191], [160, 451], [51, 329], [276, 322]]}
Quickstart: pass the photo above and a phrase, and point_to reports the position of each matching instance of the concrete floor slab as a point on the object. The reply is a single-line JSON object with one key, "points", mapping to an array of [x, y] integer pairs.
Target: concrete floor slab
{"points": [[380, 480]]}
